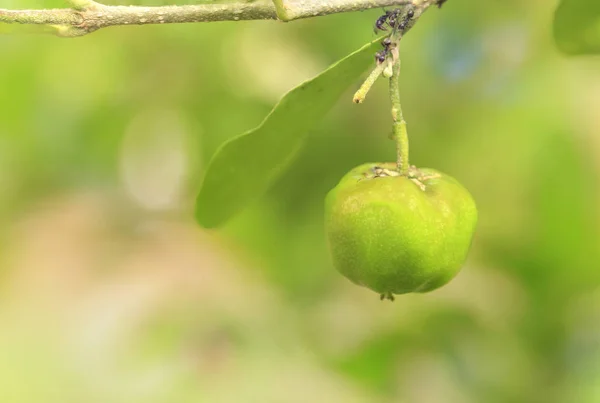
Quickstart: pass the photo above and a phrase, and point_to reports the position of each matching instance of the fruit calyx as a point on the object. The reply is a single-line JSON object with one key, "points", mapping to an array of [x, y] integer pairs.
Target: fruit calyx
{"points": [[389, 296], [385, 170]]}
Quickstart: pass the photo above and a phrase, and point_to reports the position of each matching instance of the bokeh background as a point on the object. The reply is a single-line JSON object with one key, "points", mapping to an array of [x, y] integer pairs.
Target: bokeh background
{"points": [[109, 292]]}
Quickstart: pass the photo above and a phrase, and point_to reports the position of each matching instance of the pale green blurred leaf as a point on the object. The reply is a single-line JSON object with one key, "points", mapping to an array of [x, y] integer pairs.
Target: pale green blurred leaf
{"points": [[562, 259], [565, 205], [244, 167], [577, 27]]}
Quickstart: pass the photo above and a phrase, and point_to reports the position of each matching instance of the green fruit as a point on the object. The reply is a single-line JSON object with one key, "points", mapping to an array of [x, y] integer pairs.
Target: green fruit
{"points": [[399, 234]]}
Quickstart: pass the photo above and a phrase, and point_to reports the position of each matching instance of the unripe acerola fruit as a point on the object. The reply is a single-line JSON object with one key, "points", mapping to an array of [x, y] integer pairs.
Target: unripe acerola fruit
{"points": [[399, 234]]}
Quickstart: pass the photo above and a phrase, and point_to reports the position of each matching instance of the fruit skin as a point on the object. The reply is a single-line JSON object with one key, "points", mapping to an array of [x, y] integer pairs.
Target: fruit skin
{"points": [[398, 234]]}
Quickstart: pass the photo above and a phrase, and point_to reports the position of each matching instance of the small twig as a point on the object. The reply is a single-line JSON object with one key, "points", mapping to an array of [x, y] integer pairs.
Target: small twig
{"points": [[364, 89]]}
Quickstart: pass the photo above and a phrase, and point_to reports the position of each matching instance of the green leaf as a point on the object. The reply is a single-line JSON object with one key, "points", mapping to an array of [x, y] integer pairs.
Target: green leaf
{"points": [[577, 27], [245, 166]]}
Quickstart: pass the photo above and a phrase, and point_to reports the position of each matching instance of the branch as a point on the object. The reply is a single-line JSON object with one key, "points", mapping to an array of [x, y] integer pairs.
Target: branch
{"points": [[288, 10], [86, 16]]}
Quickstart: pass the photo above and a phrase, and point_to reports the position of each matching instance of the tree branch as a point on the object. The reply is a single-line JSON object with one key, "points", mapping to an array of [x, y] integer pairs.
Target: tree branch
{"points": [[86, 16], [288, 10]]}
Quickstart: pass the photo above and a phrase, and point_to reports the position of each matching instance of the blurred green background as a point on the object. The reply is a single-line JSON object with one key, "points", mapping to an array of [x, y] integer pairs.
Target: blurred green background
{"points": [[109, 292]]}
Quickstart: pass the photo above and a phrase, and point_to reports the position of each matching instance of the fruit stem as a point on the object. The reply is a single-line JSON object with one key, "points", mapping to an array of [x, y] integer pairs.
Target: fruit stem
{"points": [[399, 130]]}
